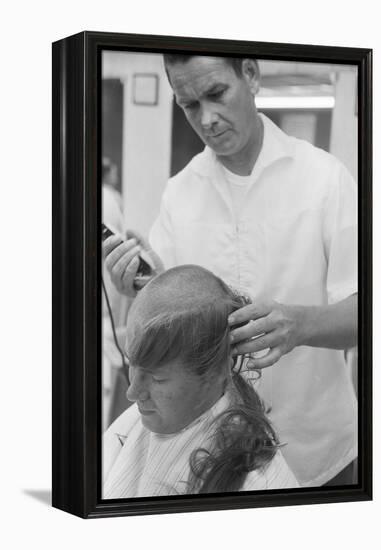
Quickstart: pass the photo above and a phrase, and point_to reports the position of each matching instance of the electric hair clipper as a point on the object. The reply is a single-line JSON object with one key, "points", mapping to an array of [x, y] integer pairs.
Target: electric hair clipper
{"points": [[144, 272]]}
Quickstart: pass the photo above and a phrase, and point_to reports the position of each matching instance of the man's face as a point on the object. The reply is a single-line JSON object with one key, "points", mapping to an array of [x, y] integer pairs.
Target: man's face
{"points": [[218, 103], [168, 398]]}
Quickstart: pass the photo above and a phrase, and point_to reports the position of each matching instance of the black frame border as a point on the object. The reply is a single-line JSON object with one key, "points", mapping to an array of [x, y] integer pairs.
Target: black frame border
{"points": [[76, 390]]}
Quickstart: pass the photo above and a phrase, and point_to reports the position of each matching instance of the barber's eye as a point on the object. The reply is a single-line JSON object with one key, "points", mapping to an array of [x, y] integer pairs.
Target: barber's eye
{"points": [[190, 106], [159, 380], [216, 95]]}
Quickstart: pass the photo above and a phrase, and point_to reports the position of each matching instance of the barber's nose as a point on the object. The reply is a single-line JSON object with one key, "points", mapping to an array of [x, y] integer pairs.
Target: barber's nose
{"points": [[137, 390], [208, 118]]}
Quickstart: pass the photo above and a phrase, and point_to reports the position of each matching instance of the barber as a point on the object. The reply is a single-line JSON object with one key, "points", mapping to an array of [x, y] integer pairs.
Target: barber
{"points": [[274, 217]]}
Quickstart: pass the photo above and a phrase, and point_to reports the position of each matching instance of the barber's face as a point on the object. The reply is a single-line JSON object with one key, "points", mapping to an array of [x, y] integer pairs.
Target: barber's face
{"points": [[218, 104], [168, 398]]}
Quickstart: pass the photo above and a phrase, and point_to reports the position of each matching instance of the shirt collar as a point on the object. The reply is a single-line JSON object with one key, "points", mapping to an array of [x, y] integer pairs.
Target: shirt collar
{"points": [[276, 146]]}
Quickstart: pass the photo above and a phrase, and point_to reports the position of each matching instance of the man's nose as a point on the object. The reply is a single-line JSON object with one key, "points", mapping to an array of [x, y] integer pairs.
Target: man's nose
{"points": [[208, 117], [137, 390]]}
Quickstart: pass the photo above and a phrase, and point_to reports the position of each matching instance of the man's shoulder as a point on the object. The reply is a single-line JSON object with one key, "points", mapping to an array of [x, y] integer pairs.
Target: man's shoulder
{"points": [[315, 165], [198, 167], [191, 181], [305, 152], [304, 160]]}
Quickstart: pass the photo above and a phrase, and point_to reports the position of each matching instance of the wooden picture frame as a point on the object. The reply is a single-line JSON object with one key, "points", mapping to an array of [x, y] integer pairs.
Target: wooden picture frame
{"points": [[77, 349]]}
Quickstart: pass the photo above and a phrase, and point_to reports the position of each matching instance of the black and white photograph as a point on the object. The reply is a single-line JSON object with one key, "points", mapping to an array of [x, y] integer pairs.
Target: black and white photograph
{"points": [[190, 232], [229, 222]]}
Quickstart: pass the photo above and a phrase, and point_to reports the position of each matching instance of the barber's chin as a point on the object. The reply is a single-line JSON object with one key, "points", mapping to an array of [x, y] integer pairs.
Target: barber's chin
{"points": [[223, 150], [221, 139]]}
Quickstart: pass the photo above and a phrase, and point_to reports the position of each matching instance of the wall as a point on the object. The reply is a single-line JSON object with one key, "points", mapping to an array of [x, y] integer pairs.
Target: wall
{"points": [[344, 122], [146, 137]]}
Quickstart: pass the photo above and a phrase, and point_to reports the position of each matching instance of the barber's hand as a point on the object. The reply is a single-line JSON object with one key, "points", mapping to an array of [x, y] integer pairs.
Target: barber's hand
{"points": [[270, 326], [122, 261]]}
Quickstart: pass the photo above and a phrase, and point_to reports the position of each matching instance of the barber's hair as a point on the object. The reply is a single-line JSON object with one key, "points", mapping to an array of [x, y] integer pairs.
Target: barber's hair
{"points": [[194, 329], [172, 59]]}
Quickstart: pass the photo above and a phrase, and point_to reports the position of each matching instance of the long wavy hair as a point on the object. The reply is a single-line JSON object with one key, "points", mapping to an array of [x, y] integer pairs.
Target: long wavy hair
{"points": [[243, 439]]}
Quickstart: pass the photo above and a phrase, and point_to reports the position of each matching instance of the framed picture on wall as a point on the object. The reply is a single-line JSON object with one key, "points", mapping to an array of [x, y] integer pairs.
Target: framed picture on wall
{"points": [[212, 327]]}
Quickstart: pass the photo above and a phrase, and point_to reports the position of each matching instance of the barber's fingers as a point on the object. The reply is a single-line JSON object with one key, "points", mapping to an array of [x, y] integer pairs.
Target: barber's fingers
{"points": [[251, 329], [153, 257], [257, 344], [267, 360], [129, 263], [251, 312], [109, 244], [116, 253], [123, 267]]}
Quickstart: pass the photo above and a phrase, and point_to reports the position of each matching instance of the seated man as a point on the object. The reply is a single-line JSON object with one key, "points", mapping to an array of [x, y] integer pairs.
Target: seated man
{"points": [[197, 425]]}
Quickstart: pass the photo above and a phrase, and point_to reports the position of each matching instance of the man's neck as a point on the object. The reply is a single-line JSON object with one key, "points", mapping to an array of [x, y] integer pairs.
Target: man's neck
{"points": [[242, 163]]}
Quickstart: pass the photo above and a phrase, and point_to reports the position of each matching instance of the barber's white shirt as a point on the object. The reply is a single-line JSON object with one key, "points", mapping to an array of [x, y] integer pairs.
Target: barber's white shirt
{"points": [[140, 463], [293, 239]]}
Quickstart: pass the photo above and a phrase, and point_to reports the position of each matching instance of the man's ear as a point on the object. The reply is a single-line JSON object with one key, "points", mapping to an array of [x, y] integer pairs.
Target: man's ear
{"points": [[250, 72]]}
